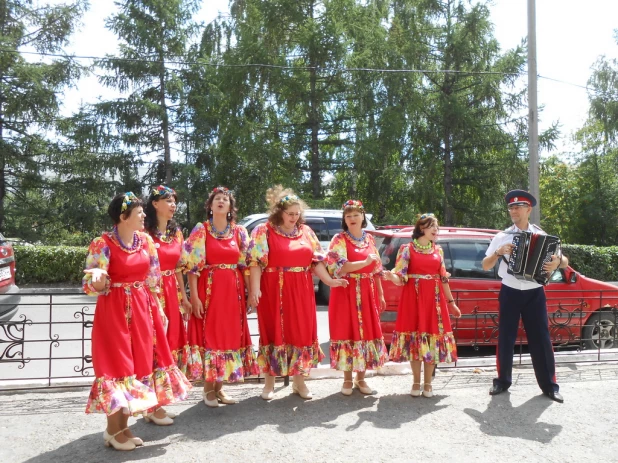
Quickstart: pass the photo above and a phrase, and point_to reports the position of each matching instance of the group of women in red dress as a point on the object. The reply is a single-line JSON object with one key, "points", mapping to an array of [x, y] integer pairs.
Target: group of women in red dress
{"points": [[144, 358]]}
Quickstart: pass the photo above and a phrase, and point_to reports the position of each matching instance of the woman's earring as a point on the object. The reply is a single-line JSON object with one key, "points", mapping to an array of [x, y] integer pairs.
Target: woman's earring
{"points": [[229, 216], [210, 212]]}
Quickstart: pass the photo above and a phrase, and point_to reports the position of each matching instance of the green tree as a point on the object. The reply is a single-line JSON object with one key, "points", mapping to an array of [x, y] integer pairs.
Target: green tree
{"points": [[597, 163], [29, 98], [154, 36]]}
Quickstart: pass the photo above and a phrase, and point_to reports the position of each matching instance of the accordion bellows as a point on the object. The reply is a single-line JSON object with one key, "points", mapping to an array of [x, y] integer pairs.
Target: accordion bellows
{"points": [[530, 252]]}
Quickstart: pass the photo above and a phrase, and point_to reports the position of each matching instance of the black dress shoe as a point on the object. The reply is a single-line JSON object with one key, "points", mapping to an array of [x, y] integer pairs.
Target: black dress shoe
{"points": [[496, 389], [555, 396]]}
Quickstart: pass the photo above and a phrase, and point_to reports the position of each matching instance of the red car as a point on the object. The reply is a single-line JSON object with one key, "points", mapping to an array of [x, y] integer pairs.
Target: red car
{"points": [[9, 292], [580, 309]]}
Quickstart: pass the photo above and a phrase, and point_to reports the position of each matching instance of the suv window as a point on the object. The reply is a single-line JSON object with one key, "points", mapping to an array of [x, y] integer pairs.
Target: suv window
{"points": [[461, 259], [466, 259], [319, 227], [251, 226], [388, 251], [557, 276], [334, 226]]}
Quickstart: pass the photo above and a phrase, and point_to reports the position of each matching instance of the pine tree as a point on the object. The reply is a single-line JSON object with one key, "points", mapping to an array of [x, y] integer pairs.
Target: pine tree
{"points": [[154, 36], [30, 88]]}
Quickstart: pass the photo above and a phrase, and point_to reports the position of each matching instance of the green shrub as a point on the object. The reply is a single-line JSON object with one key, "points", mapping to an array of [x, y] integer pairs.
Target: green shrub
{"points": [[592, 261], [49, 264], [65, 264]]}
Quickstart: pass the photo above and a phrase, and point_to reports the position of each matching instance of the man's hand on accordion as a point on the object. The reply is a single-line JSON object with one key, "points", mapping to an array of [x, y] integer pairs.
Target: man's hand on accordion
{"points": [[552, 265]]}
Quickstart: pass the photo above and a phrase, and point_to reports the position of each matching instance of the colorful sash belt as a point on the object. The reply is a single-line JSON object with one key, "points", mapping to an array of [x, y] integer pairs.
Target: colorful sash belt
{"points": [[281, 270], [359, 305]]}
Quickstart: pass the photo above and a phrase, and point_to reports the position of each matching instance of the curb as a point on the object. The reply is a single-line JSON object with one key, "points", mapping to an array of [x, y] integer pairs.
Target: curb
{"points": [[467, 365], [26, 291]]}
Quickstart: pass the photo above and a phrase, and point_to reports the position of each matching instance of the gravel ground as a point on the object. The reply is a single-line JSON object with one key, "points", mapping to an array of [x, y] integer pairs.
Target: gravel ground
{"points": [[462, 422]]}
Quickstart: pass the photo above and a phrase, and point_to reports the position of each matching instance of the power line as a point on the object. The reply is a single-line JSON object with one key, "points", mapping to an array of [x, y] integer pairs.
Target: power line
{"points": [[261, 65], [584, 87]]}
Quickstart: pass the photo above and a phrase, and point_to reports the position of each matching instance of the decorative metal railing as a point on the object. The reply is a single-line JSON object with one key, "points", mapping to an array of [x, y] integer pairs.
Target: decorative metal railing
{"points": [[47, 343]]}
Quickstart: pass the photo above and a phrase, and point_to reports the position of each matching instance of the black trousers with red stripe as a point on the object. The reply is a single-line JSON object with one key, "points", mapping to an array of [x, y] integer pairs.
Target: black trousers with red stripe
{"points": [[531, 306]]}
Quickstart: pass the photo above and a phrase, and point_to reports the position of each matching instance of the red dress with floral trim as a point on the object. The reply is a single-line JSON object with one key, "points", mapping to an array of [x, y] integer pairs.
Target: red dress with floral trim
{"points": [[168, 251], [220, 342], [286, 311], [132, 362], [356, 342], [423, 328]]}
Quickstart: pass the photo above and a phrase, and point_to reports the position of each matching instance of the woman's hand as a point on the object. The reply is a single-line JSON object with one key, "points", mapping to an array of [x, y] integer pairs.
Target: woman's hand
{"points": [[454, 310], [390, 276], [187, 308], [371, 258], [338, 282], [254, 297], [382, 304], [197, 307], [99, 277], [165, 321]]}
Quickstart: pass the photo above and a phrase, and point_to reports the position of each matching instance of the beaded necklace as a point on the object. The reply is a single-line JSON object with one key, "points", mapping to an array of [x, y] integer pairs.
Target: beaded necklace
{"points": [[422, 247], [219, 234], [292, 234], [165, 237], [357, 240], [133, 247]]}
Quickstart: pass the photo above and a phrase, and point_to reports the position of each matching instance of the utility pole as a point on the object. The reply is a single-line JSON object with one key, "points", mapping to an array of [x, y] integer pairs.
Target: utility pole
{"points": [[533, 115]]}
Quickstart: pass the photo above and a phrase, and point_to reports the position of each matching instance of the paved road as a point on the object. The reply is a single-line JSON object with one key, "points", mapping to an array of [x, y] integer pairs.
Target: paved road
{"points": [[461, 423], [63, 341]]}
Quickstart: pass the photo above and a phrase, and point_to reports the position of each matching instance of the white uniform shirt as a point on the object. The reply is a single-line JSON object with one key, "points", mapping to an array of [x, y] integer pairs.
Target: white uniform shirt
{"points": [[506, 238]]}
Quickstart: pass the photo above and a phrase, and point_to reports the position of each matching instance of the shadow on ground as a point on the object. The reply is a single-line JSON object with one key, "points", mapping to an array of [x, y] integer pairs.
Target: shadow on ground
{"points": [[503, 420], [286, 415]]}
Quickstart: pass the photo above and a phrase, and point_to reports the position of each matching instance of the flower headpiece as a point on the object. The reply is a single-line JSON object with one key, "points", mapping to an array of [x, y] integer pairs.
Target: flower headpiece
{"points": [[353, 203], [288, 199], [426, 215], [162, 190], [222, 189], [129, 197]]}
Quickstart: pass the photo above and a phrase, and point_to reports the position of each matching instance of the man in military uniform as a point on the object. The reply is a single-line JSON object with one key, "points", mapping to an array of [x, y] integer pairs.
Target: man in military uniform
{"points": [[525, 299]]}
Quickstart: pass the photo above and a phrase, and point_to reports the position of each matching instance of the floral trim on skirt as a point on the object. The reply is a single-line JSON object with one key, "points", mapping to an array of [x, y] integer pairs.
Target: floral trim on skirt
{"points": [[170, 385], [221, 365], [181, 356], [358, 355], [289, 360], [430, 348], [110, 395]]}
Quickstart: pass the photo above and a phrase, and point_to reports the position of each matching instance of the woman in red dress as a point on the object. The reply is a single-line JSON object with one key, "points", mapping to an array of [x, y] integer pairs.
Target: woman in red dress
{"points": [[215, 258], [356, 342], [134, 369], [423, 334], [168, 241], [282, 253]]}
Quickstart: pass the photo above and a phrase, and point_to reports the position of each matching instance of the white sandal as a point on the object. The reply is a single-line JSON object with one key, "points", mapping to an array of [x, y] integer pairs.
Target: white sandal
{"points": [[110, 441]]}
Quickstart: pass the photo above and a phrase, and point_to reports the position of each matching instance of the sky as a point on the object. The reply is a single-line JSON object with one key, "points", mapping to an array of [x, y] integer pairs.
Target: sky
{"points": [[571, 36]]}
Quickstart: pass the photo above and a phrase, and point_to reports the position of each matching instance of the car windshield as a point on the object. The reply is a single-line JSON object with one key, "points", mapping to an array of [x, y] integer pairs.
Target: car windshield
{"points": [[245, 221]]}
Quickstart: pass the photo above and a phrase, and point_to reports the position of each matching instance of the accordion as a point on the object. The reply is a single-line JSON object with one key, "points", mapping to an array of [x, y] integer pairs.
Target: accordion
{"points": [[530, 252]]}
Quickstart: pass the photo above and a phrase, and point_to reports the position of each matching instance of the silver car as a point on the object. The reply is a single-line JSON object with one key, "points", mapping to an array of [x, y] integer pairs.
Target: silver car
{"points": [[326, 223]]}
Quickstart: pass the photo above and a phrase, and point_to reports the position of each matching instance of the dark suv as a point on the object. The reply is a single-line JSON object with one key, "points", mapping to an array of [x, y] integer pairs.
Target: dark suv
{"points": [[9, 292], [580, 310]]}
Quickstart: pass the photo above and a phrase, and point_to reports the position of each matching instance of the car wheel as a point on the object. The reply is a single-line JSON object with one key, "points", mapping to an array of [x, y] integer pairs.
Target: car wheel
{"points": [[323, 293], [600, 331]]}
